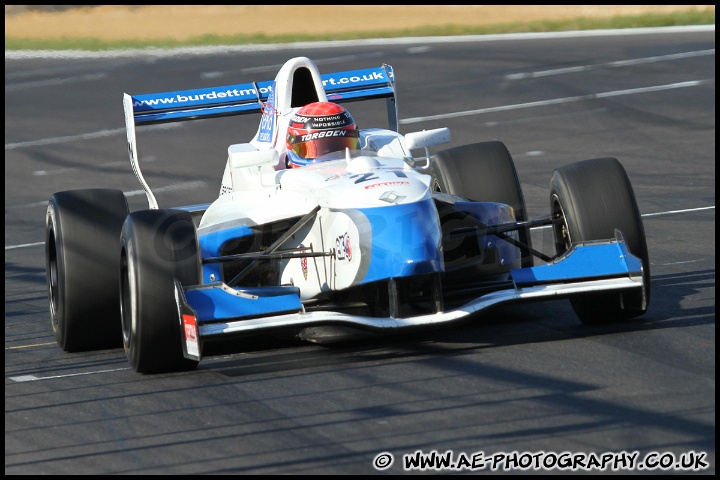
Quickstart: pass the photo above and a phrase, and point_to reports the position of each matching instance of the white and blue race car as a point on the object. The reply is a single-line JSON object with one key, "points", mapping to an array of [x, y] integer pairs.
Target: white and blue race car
{"points": [[388, 238]]}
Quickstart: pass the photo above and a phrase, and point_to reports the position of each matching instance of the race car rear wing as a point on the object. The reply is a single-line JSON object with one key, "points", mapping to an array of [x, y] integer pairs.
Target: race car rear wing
{"points": [[239, 99], [246, 98]]}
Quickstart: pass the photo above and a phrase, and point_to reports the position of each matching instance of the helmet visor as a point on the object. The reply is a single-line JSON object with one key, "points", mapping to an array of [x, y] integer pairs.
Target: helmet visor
{"points": [[323, 142]]}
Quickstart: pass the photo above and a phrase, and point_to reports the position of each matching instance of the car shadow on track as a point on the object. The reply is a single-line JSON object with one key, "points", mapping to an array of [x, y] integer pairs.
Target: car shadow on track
{"points": [[509, 325]]}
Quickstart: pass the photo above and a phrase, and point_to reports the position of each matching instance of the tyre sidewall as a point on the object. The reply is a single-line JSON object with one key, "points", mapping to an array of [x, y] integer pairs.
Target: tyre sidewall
{"points": [[158, 246], [55, 275], [483, 172], [596, 198]]}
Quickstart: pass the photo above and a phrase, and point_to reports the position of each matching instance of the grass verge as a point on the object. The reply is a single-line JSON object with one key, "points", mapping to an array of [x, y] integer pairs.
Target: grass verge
{"points": [[704, 17]]}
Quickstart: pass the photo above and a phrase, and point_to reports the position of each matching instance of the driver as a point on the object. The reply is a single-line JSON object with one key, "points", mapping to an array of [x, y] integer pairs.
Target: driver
{"points": [[319, 128]]}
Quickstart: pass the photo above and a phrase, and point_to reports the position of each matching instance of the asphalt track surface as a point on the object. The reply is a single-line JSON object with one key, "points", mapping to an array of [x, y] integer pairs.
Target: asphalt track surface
{"points": [[528, 380]]}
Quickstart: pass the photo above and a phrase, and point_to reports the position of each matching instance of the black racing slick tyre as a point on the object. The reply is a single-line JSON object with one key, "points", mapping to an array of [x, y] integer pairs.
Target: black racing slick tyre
{"points": [[591, 199], [156, 248], [82, 260], [483, 172]]}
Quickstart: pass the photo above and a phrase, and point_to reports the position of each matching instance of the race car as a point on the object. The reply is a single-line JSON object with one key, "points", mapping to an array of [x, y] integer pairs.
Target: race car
{"points": [[385, 237]]}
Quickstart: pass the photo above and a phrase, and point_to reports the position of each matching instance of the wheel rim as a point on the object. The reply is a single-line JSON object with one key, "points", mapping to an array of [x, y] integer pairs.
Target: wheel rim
{"points": [[128, 299], [436, 187], [53, 279], [561, 230]]}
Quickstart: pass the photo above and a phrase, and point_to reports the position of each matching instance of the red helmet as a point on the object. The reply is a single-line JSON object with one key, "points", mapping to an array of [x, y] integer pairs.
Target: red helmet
{"points": [[319, 128]]}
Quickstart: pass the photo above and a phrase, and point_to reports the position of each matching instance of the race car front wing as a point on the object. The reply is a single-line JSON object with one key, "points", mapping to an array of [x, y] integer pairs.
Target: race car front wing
{"points": [[210, 311]]}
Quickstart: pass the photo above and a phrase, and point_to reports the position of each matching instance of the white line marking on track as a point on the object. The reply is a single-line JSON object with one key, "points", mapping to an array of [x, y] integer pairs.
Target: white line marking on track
{"points": [[24, 245], [33, 378], [54, 82], [85, 136], [678, 211], [619, 63], [555, 101], [680, 263], [131, 193], [16, 347], [58, 171], [670, 212]]}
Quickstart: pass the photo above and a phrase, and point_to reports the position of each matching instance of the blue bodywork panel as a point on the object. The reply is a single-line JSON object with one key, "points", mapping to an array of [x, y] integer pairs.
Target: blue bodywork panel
{"points": [[218, 301], [582, 262], [406, 240], [211, 245]]}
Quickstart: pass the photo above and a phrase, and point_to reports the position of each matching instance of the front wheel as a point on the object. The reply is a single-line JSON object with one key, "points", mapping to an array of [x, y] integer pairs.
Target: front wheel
{"points": [[591, 199], [157, 247], [482, 172]]}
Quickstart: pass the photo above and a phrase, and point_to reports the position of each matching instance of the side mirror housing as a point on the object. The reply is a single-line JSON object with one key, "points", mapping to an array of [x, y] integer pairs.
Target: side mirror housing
{"points": [[427, 138]]}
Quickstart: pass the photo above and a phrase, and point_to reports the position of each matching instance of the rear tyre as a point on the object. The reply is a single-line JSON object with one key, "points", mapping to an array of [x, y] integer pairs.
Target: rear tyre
{"points": [[157, 247], [483, 172], [593, 198], [82, 231]]}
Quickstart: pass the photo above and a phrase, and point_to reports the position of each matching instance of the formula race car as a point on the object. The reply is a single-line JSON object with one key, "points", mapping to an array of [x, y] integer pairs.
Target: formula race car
{"points": [[377, 236]]}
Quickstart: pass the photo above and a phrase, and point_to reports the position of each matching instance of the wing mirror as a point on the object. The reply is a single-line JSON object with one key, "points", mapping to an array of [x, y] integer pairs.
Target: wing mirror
{"points": [[425, 139]]}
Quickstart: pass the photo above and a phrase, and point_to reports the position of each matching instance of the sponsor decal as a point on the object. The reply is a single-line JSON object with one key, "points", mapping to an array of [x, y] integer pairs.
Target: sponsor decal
{"points": [[391, 197], [323, 121], [332, 133], [366, 177], [191, 337], [367, 77], [386, 184], [325, 118], [267, 122], [232, 92], [303, 264], [343, 250]]}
